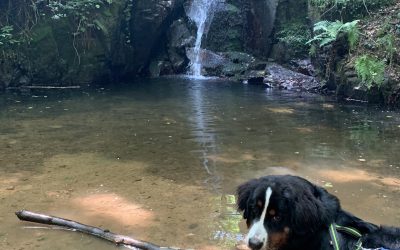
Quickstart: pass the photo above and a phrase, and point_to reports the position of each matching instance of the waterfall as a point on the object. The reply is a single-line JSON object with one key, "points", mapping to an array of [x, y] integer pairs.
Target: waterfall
{"points": [[201, 12]]}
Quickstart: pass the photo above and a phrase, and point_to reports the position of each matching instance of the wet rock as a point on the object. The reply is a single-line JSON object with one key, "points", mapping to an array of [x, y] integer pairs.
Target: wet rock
{"points": [[151, 18], [258, 65], [225, 33], [179, 39], [160, 67], [256, 80], [279, 53], [255, 77], [303, 66], [238, 64], [226, 64], [279, 76]]}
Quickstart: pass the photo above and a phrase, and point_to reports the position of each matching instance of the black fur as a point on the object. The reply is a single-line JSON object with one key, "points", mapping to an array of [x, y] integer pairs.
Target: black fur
{"points": [[306, 211]]}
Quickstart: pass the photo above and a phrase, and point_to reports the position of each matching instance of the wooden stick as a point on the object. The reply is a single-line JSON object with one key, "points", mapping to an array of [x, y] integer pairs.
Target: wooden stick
{"points": [[43, 87], [95, 231], [51, 87]]}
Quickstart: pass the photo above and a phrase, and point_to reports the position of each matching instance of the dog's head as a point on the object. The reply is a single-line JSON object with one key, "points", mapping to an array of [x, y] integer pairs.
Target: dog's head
{"points": [[281, 209]]}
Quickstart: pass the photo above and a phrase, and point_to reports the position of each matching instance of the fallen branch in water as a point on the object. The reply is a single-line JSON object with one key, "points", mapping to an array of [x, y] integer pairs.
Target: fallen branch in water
{"points": [[95, 231], [51, 87], [45, 87]]}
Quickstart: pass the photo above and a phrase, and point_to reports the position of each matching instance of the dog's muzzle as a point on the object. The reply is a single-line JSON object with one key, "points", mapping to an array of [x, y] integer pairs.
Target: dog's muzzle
{"points": [[255, 244]]}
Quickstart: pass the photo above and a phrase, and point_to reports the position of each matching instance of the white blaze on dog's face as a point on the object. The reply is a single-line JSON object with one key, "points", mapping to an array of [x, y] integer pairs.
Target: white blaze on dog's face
{"points": [[257, 237], [282, 212]]}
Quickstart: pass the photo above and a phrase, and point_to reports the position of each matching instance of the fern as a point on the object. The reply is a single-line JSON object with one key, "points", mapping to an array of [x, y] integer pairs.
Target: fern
{"points": [[327, 32], [370, 70], [387, 43], [352, 31], [6, 37]]}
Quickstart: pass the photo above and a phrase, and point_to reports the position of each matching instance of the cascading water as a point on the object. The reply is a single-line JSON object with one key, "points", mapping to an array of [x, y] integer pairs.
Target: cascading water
{"points": [[201, 12]]}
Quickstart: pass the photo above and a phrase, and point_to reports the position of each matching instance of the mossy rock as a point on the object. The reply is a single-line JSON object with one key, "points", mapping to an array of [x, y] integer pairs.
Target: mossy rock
{"points": [[225, 33]]}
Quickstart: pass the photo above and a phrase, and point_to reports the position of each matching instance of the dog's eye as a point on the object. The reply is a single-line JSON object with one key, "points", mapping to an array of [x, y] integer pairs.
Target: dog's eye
{"points": [[276, 218]]}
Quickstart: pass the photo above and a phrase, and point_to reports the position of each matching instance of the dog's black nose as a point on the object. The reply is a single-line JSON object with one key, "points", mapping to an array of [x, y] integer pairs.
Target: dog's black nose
{"points": [[255, 244]]}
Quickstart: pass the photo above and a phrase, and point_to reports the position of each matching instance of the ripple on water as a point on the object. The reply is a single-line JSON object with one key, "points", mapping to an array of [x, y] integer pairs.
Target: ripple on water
{"points": [[155, 158]]}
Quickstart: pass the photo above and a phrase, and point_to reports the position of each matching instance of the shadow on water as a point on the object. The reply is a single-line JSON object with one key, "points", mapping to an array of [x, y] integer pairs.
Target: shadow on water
{"points": [[160, 159]]}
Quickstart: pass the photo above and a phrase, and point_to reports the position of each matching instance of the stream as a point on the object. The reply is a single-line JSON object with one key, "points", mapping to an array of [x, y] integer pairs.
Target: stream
{"points": [[160, 159]]}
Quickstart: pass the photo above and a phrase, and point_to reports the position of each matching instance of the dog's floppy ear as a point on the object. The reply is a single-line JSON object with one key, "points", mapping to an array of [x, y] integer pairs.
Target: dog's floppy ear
{"points": [[313, 208], [244, 193]]}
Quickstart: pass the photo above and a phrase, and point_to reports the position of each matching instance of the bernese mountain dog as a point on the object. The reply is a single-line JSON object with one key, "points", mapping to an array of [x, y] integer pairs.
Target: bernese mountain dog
{"points": [[285, 212]]}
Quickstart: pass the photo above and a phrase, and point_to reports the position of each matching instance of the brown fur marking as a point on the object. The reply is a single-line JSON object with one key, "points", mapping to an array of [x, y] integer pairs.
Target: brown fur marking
{"points": [[278, 239]]}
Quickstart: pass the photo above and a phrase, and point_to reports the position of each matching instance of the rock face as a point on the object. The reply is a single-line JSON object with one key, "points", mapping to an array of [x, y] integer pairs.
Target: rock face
{"points": [[243, 25], [151, 19], [261, 16], [179, 39], [239, 26], [56, 55], [147, 38]]}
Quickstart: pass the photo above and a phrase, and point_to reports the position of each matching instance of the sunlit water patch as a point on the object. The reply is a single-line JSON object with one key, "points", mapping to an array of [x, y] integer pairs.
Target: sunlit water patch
{"points": [[160, 159]]}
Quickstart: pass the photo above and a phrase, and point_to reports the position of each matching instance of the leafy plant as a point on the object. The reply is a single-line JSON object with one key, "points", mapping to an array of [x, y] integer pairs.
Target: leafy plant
{"points": [[327, 32], [83, 13], [387, 43], [370, 70], [313, 50], [80, 10], [6, 36], [296, 36]]}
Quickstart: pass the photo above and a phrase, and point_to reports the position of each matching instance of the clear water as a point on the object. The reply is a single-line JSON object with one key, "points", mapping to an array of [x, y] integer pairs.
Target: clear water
{"points": [[160, 159], [201, 12]]}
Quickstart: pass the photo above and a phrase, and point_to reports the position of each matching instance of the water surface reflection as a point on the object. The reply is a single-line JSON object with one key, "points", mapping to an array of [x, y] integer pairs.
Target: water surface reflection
{"points": [[160, 159]]}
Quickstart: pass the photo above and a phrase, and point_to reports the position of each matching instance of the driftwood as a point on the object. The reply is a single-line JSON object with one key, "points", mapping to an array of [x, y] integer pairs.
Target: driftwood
{"points": [[95, 231], [44, 87], [51, 87]]}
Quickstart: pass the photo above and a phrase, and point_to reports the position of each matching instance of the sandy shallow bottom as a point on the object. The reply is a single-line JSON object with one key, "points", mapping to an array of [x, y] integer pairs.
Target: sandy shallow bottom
{"points": [[161, 161]]}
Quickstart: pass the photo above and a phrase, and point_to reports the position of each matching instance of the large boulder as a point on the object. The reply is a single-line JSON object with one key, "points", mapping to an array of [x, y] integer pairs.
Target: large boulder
{"points": [[150, 20], [226, 31], [226, 64], [260, 21], [243, 25], [179, 40]]}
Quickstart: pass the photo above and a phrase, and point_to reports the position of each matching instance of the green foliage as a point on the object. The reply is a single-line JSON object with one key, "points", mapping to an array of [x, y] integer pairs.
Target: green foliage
{"points": [[370, 70], [296, 36], [353, 8], [387, 44], [327, 32], [313, 50], [82, 11], [6, 37]]}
